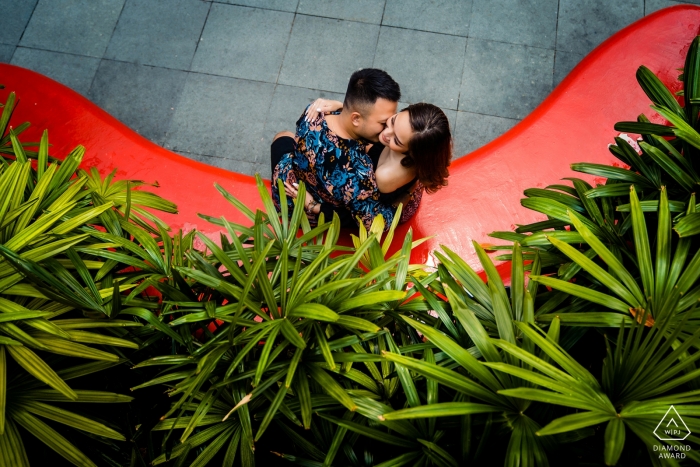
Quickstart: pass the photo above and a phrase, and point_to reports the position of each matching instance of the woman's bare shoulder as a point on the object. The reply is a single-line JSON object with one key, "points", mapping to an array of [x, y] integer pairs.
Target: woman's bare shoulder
{"points": [[392, 176]]}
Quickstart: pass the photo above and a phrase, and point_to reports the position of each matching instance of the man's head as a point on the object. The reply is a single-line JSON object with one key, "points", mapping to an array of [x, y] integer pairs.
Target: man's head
{"points": [[371, 100]]}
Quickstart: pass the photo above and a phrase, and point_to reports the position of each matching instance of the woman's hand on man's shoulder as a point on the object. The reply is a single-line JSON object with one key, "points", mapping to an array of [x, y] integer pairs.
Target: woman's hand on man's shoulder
{"points": [[321, 107]]}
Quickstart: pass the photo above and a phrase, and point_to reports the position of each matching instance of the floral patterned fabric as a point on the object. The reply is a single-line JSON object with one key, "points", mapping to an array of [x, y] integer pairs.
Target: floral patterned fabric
{"points": [[338, 173]]}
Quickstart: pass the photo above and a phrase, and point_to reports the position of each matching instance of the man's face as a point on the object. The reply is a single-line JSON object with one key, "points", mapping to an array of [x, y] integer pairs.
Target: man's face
{"points": [[375, 119]]}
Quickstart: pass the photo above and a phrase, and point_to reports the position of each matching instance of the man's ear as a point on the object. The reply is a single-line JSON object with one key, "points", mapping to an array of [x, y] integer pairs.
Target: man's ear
{"points": [[356, 119]]}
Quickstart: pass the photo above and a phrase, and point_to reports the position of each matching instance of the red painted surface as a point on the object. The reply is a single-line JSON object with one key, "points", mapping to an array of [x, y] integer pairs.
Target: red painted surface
{"points": [[574, 124]]}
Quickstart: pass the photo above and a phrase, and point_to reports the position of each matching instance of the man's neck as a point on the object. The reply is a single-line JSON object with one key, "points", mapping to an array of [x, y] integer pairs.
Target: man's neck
{"points": [[341, 125]]}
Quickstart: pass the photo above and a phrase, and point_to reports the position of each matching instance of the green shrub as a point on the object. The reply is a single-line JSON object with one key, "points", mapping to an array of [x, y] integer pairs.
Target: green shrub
{"points": [[59, 303], [297, 317], [279, 344]]}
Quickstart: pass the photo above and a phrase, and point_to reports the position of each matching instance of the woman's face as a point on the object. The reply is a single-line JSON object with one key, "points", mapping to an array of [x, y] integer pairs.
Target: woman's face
{"points": [[398, 133]]}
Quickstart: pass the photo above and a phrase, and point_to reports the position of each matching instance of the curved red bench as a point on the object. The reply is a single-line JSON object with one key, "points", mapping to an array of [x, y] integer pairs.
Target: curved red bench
{"points": [[573, 124]]}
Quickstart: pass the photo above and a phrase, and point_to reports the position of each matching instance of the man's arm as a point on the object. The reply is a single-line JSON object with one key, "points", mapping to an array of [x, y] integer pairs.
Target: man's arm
{"points": [[360, 195]]}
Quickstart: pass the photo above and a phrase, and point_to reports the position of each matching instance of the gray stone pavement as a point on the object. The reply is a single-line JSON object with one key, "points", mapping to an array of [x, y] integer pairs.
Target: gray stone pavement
{"points": [[215, 80]]}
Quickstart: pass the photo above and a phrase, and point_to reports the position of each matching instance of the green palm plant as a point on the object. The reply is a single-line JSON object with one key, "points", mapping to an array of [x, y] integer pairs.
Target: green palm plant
{"points": [[56, 296], [657, 286], [297, 315], [667, 161], [28, 318], [639, 380], [613, 261], [481, 310]]}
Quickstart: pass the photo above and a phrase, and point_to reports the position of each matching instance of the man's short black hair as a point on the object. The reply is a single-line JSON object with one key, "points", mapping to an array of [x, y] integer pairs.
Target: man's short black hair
{"points": [[368, 85]]}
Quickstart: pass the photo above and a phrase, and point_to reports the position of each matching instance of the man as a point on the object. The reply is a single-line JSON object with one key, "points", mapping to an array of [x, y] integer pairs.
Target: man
{"points": [[329, 152]]}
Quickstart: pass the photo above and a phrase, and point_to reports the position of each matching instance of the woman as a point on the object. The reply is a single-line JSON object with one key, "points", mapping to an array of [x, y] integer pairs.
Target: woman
{"points": [[413, 154]]}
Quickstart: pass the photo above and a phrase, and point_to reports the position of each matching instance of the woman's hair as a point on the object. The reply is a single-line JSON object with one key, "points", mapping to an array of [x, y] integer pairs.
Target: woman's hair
{"points": [[430, 147]]}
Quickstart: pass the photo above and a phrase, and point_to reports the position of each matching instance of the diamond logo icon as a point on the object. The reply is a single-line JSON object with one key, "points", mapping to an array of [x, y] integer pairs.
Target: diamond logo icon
{"points": [[672, 427]]}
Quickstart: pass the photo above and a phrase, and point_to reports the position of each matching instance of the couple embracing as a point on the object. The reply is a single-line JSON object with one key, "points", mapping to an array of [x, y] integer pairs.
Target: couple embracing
{"points": [[360, 158]]}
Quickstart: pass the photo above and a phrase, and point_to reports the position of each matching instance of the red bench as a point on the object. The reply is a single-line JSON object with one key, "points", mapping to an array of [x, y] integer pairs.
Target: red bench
{"points": [[573, 124]]}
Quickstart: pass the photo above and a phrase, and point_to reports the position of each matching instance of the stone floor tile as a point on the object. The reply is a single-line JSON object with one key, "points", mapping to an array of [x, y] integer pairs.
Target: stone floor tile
{"points": [[161, 33], [16, 14], [230, 122], [427, 66], [366, 11], [75, 71], [234, 165], [281, 5], [243, 42], [288, 102], [443, 16], [650, 6], [323, 53], [222, 117], [142, 97], [6, 52], [505, 80], [81, 27], [475, 130], [528, 23], [564, 62], [244, 167], [583, 24]]}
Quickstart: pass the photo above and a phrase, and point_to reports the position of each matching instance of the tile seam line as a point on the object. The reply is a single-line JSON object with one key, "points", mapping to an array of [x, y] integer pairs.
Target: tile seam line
{"points": [[464, 64], [199, 39], [279, 73], [197, 154], [188, 72], [379, 33], [508, 43], [92, 82], [256, 7], [461, 78], [114, 28], [286, 48], [556, 42], [25, 26], [152, 66], [296, 12], [490, 115], [181, 153], [471, 14], [194, 72], [465, 37], [57, 52]]}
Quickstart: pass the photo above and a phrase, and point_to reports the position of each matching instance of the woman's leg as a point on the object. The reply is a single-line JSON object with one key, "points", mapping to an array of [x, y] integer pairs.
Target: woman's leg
{"points": [[282, 143]]}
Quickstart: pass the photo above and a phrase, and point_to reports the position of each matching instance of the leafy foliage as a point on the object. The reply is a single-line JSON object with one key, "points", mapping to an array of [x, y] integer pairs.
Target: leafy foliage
{"points": [[277, 340], [624, 256], [295, 315], [59, 300]]}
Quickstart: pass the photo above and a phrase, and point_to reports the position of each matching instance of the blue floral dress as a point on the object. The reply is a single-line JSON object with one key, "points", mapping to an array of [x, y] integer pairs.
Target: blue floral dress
{"points": [[338, 173]]}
